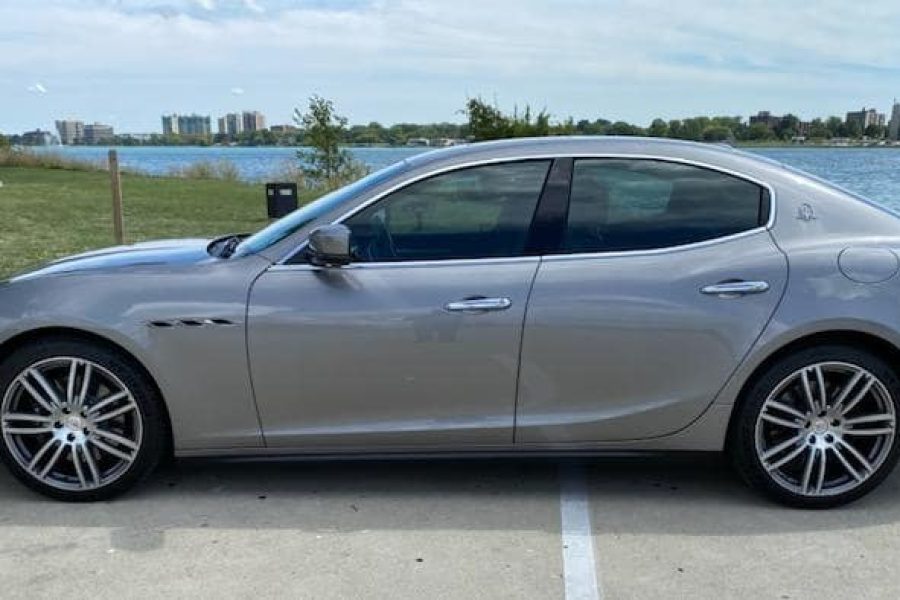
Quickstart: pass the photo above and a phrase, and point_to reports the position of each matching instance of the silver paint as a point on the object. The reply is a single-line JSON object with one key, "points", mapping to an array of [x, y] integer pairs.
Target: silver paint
{"points": [[595, 352]]}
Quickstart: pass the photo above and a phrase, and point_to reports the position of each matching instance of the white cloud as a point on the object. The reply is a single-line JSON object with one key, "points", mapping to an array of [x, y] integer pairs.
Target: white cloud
{"points": [[37, 88], [237, 91], [255, 6], [420, 58]]}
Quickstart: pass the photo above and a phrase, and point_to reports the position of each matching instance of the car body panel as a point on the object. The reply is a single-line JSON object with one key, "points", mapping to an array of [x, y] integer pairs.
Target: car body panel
{"points": [[201, 370], [625, 346], [368, 355]]}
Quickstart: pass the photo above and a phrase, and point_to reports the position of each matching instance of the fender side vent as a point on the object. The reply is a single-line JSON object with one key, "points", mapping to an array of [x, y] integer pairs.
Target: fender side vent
{"points": [[191, 323]]}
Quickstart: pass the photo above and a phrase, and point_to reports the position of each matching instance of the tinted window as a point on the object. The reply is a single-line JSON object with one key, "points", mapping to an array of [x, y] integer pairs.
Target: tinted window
{"points": [[620, 205], [478, 212], [305, 215]]}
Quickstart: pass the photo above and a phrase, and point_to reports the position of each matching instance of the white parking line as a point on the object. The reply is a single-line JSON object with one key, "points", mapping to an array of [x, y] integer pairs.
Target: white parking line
{"points": [[579, 566]]}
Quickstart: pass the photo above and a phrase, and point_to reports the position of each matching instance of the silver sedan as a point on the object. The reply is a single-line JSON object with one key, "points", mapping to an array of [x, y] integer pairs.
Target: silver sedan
{"points": [[548, 296]]}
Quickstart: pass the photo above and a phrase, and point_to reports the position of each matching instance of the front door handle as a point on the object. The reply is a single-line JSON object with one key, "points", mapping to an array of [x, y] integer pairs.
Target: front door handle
{"points": [[734, 289], [479, 304]]}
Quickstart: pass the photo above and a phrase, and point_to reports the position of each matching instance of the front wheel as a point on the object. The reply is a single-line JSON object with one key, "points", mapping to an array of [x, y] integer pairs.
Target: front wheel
{"points": [[78, 421], [818, 428]]}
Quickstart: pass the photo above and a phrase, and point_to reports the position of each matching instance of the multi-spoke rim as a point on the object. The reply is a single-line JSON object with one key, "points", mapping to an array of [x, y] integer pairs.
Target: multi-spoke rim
{"points": [[70, 423], [825, 429]]}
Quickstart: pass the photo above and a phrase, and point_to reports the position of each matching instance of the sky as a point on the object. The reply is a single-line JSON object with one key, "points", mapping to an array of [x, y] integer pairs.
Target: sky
{"points": [[126, 62]]}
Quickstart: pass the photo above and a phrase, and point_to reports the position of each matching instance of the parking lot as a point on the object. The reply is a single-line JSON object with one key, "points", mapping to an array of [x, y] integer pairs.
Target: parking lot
{"points": [[481, 529]]}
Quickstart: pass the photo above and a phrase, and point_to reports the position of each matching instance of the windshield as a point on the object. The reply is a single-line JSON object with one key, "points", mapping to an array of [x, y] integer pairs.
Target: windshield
{"points": [[305, 215]]}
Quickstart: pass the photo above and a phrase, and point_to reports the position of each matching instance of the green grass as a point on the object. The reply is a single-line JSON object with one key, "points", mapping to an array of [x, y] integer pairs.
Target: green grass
{"points": [[47, 213]]}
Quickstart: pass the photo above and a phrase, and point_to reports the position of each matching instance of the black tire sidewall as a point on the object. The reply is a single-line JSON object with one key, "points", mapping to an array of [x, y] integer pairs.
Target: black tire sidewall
{"points": [[143, 391], [743, 448]]}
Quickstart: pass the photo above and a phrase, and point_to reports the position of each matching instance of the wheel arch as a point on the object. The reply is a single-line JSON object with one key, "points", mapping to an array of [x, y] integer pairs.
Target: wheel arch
{"points": [[10, 345], [871, 342]]}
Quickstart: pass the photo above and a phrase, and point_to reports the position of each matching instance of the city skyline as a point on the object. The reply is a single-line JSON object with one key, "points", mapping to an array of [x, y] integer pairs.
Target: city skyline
{"points": [[234, 123], [123, 62]]}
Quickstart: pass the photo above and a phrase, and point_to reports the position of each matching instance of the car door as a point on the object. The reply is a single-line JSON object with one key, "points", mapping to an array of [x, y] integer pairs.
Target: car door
{"points": [[415, 344], [666, 276]]}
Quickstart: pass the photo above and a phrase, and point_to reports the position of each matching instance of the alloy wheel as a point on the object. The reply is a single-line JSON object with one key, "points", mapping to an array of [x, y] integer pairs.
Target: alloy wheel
{"points": [[825, 429], [71, 424]]}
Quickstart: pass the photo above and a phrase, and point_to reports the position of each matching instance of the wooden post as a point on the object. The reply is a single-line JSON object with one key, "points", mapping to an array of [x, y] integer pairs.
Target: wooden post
{"points": [[116, 182]]}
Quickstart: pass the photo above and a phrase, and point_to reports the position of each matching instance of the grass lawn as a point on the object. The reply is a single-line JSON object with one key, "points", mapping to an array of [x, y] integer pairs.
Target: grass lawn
{"points": [[47, 213]]}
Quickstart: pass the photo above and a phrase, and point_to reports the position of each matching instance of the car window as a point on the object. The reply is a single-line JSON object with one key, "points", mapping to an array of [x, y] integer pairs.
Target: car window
{"points": [[309, 213], [476, 212], [619, 205]]}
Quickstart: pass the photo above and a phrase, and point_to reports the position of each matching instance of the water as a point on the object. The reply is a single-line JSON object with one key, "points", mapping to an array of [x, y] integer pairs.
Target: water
{"points": [[253, 163], [872, 172]]}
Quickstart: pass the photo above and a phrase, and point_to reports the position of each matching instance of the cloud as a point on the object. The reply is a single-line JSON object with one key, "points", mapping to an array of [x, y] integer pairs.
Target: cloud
{"points": [[420, 59], [237, 91], [37, 88], [254, 6]]}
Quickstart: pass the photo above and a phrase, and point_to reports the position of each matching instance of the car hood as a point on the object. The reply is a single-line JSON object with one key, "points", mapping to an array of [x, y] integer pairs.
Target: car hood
{"points": [[163, 252]]}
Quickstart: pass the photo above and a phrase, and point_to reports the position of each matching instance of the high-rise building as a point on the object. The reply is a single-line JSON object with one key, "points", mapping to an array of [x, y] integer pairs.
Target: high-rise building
{"points": [[865, 118], [95, 133], [254, 121], [170, 124], [220, 126], [231, 124], [176, 124], [194, 125], [766, 118], [70, 132], [894, 126]]}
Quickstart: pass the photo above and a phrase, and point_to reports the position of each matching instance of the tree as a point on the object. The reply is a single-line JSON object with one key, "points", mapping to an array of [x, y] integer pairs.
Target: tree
{"points": [[874, 131], [788, 128], [486, 122], [623, 128], [717, 133], [325, 165], [4, 142], [692, 129], [658, 128], [818, 130], [835, 126], [759, 132], [676, 129]]}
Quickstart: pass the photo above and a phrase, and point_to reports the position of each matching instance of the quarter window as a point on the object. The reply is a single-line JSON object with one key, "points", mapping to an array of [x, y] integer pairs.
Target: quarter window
{"points": [[619, 205], [477, 212]]}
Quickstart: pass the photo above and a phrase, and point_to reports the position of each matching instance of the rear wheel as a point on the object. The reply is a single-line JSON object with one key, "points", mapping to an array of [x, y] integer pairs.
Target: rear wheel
{"points": [[818, 428], [78, 421]]}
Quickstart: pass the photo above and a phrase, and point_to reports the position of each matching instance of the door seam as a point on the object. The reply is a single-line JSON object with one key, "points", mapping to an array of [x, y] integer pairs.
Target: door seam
{"points": [[537, 270]]}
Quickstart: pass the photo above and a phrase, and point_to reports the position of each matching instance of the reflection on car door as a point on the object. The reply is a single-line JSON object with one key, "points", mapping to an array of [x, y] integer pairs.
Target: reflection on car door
{"points": [[626, 336]]}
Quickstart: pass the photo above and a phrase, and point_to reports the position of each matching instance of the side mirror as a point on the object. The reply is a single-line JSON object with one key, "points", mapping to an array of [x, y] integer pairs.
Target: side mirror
{"points": [[329, 246]]}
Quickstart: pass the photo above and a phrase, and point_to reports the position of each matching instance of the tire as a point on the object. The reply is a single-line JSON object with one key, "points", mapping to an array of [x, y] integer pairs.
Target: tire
{"points": [[102, 438], [808, 453]]}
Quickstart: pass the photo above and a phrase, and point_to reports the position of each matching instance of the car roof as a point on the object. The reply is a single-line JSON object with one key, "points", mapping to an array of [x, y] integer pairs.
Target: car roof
{"points": [[720, 155], [572, 144]]}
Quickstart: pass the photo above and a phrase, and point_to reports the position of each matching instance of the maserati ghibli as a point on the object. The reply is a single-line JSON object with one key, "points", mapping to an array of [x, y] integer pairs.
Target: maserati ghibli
{"points": [[524, 297]]}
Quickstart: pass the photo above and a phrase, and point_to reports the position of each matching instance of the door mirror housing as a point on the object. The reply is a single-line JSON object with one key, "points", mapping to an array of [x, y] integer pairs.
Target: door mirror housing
{"points": [[329, 246]]}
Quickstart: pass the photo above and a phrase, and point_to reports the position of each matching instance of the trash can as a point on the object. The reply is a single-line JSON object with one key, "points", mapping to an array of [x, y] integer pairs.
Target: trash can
{"points": [[281, 199]]}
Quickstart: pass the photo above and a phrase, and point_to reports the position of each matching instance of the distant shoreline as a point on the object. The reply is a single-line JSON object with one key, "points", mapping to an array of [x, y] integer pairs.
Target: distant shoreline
{"points": [[742, 144]]}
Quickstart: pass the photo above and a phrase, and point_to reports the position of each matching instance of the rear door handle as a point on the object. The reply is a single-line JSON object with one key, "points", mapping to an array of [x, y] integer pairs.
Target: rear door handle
{"points": [[733, 289], [478, 305]]}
